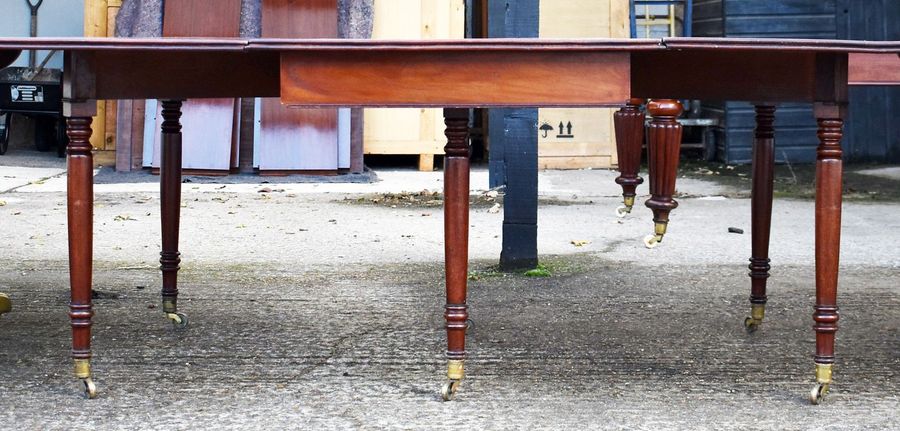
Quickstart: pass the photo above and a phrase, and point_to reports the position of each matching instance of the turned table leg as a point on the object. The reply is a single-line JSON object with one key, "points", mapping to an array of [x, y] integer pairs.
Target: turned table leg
{"points": [[629, 124], [664, 150], [761, 212], [170, 198], [829, 174], [81, 223], [456, 243]]}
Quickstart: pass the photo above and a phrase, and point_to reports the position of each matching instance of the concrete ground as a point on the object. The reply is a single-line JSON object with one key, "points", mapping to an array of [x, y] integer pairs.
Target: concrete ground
{"points": [[319, 306]]}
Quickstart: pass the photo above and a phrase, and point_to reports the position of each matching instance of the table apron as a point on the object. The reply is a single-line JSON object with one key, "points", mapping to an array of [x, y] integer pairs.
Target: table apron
{"points": [[455, 78]]}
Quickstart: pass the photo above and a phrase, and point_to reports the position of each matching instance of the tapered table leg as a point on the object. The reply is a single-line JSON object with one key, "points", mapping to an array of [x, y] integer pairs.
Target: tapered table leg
{"points": [[456, 243], [629, 122], [829, 174], [761, 212], [81, 224], [170, 198], [664, 150]]}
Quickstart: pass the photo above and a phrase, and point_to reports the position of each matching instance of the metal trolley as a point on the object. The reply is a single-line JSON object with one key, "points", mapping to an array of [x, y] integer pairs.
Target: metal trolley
{"points": [[36, 92]]}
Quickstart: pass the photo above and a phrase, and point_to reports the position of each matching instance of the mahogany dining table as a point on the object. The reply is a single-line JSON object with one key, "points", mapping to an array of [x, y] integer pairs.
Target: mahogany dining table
{"points": [[457, 75]]}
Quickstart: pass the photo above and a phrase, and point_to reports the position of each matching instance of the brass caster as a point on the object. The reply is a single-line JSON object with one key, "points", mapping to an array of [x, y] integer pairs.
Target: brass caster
{"points": [[448, 391], [818, 392], [90, 389], [652, 241], [5, 304], [751, 325], [178, 319], [623, 211]]}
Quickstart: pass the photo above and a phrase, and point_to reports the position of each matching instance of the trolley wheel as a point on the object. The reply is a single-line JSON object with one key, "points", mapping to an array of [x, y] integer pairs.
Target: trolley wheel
{"points": [[4, 134]]}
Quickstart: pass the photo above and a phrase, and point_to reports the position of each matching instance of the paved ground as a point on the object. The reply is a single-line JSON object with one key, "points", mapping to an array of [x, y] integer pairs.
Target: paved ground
{"points": [[313, 307]]}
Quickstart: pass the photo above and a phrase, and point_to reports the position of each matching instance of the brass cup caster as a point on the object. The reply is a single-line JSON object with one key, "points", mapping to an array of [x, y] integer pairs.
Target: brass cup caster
{"points": [[455, 374], [652, 241], [817, 394], [83, 372], [757, 313], [5, 304], [625, 209], [90, 389], [751, 325], [180, 320], [823, 383], [659, 230], [448, 391]]}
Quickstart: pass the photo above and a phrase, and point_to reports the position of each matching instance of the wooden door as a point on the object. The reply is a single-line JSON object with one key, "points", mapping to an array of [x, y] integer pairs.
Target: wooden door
{"points": [[297, 139]]}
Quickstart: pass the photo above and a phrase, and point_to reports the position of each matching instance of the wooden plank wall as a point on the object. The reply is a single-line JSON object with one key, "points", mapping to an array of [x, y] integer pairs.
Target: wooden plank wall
{"points": [[795, 125], [873, 128]]}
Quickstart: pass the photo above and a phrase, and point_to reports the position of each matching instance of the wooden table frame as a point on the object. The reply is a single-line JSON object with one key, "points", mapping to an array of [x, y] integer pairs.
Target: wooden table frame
{"points": [[457, 75]]}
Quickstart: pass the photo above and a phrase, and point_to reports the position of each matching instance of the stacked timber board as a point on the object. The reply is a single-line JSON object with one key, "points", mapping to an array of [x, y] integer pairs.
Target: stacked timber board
{"points": [[290, 140], [208, 125]]}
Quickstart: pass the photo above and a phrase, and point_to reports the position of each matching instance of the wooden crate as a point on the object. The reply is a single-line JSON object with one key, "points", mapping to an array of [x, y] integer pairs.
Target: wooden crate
{"points": [[412, 131], [591, 141]]}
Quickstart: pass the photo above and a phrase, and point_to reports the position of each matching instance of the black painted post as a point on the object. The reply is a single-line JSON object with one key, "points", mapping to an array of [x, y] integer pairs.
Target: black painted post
{"points": [[513, 145]]}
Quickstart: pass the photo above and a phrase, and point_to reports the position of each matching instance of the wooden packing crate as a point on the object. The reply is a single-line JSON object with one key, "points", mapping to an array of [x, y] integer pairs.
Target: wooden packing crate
{"points": [[412, 131], [590, 143]]}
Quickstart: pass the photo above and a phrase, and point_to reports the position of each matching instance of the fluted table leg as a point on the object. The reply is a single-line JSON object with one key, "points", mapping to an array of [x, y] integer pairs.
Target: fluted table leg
{"points": [[629, 123], [664, 150], [761, 212], [170, 199], [456, 243], [829, 174], [80, 207]]}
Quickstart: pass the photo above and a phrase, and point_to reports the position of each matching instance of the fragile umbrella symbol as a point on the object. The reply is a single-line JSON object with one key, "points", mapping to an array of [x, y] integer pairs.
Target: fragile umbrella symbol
{"points": [[546, 128]]}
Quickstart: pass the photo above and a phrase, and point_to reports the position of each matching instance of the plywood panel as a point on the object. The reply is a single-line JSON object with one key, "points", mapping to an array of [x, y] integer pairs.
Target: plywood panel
{"points": [[411, 131], [207, 134], [290, 138], [592, 134], [208, 124]]}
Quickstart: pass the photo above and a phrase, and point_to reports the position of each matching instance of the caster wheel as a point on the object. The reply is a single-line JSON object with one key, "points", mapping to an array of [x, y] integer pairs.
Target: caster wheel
{"points": [[5, 304], [817, 394], [751, 325], [180, 320], [90, 389], [651, 241], [470, 324], [448, 391], [622, 211]]}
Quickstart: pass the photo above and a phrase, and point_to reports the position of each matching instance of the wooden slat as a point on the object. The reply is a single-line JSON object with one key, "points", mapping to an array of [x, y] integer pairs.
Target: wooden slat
{"points": [[455, 79], [298, 139], [202, 18], [874, 69]]}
